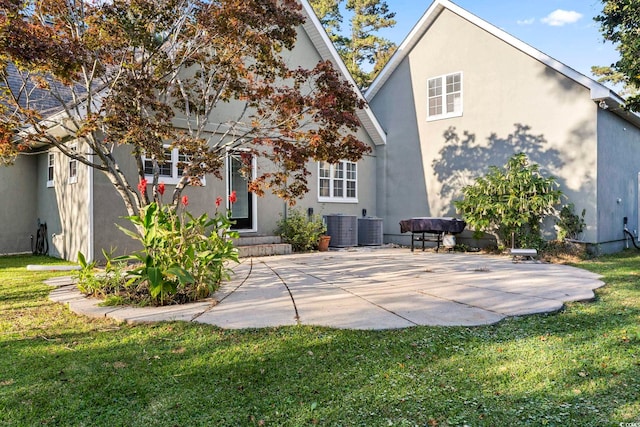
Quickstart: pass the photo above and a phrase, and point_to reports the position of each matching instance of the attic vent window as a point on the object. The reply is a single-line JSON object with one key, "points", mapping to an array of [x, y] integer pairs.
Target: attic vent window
{"points": [[445, 96]]}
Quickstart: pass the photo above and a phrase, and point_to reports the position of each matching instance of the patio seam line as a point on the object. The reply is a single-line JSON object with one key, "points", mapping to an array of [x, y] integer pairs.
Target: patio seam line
{"points": [[359, 296], [293, 301], [489, 310], [420, 291], [512, 293], [227, 295]]}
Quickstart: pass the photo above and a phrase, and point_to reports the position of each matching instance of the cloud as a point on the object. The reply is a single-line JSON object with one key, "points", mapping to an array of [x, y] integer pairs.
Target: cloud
{"points": [[560, 17], [526, 21]]}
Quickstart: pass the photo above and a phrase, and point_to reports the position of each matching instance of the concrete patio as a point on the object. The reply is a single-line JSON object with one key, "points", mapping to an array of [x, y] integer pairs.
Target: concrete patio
{"points": [[366, 288]]}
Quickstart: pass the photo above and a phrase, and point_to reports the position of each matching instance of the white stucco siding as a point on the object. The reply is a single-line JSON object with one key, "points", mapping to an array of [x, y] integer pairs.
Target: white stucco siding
{"points": [[511, 103], [64, 207], [18, 186], [618, 192]]}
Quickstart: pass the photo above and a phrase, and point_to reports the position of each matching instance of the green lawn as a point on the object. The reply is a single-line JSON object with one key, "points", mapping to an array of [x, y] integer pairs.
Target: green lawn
{"points": [[580, 367]]}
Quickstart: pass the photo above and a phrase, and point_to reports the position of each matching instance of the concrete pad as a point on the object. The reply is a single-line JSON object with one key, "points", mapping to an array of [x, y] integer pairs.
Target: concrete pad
{"points": [[506, 303], [183, 312], [368, 289], [60, 281]]}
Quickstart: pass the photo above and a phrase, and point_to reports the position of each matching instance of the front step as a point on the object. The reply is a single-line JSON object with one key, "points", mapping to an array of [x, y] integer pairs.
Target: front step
{"points": [[254, 246]]}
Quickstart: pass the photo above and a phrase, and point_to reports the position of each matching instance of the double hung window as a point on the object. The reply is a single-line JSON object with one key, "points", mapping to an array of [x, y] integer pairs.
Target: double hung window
{"points": [[338, 182], [51, 161], [444, 96], [171, 170]]}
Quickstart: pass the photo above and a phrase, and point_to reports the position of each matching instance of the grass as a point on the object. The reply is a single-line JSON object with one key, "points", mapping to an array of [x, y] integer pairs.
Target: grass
{"points": [[577, 367]]}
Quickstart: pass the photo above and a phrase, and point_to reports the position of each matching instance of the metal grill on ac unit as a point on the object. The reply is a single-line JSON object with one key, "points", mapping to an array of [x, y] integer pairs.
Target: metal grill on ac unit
{"points": [[343, 230], [370, 231]]}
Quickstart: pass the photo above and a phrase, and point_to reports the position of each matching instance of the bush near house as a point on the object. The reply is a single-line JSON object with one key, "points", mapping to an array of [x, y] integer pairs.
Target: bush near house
{"points": [[184, 258], [569, 224], [300, 230], [510, 201]]}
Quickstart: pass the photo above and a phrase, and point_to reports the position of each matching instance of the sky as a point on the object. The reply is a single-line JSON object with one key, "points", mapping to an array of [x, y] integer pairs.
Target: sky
{"points": [[562, 29]]}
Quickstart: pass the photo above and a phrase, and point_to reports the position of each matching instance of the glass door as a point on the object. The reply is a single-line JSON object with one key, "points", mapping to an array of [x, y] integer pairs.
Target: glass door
{"points": [[242, 211]]}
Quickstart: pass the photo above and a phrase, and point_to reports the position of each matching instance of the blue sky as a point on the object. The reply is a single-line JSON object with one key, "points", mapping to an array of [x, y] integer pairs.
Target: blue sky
{"points": [[563, 29]]}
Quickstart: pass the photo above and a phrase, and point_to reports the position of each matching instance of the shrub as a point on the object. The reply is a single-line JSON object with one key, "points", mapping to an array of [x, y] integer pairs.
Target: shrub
{"points": [[510, 201], [569, 224], [184, 258], [300, 230]]}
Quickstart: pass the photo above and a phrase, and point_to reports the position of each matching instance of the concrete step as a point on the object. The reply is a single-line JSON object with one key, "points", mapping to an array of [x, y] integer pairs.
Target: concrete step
{"points": [[259, 245], [264, 250], [257, 240]]}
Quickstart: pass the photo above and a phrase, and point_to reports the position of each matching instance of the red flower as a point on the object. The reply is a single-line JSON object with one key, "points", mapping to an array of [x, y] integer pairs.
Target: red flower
{"points": [[185, 201], [218, 201], [161, 188], [233, 198], [142, 186]]}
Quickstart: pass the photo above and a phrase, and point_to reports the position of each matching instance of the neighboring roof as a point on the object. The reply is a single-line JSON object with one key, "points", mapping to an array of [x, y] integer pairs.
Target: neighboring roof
{"points": [[599, 92], [327, 51]]}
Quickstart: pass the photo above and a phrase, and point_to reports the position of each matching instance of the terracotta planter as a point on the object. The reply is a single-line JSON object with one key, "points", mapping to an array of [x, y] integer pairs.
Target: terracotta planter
{"points": [[323, 243]]}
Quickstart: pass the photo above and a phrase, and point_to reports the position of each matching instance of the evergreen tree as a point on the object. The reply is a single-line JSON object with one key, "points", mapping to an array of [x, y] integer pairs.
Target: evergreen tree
{"points": [[360, 46]]}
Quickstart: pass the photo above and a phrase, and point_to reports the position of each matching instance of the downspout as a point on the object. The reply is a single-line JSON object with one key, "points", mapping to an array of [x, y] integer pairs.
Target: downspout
{"points": [[91, 237], [629, 235]]}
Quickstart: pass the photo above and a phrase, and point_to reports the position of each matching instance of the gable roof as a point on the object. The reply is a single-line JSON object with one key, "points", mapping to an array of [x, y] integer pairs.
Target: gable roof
{"points": [[327, 51], [601, 94]]}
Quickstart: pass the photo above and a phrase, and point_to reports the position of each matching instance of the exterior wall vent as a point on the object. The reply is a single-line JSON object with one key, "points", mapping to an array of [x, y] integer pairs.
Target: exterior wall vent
{"points": [[370, 231], [343, 230]]}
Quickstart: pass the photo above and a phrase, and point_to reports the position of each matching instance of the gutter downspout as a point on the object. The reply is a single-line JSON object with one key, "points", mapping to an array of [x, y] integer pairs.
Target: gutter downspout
{"points": [[90, 225]]}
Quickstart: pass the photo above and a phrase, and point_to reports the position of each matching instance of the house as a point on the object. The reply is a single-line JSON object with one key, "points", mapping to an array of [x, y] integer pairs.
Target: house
{"points": [[458, 95], [80, 206]]}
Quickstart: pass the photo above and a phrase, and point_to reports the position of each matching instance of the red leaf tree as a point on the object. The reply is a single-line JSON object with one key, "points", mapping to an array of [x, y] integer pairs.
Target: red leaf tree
{"points": [[203, 76]]}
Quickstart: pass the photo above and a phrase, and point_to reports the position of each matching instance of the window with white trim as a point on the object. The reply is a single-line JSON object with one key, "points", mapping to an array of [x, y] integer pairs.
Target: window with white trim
{"points": [[73, 166], [338, 182], [170, 170], [51, 159], [444, 96]]}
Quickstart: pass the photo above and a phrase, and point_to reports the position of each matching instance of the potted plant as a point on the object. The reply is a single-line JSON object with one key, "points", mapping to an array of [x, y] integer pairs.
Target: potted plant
{"points": [[323, 243]]}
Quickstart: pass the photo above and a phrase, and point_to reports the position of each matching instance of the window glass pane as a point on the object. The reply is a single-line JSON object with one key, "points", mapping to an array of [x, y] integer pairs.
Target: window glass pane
{"points": [[453, 83], [324, 188], [325, 170], [165, 167], [50, 172], [73, 164], [351, 189], [182, 158], [435, 106], [454, 103], [435, 87], [338, 188], [148, 167], [351, 170], [338, 171]]}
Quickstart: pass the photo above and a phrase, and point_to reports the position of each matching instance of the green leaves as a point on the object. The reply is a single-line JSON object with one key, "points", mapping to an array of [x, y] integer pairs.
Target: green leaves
{"points": [[300, 231], [184, 258], [510, 200], [619, 22]]}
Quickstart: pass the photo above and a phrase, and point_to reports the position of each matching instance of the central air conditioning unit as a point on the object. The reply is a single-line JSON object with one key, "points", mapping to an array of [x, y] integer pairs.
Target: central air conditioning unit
{"points": [[343, 230], [370, 231]]}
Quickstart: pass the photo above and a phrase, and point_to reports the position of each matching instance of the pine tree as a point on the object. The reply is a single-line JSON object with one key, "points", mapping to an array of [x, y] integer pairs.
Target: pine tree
{"points": [[360, 46]]}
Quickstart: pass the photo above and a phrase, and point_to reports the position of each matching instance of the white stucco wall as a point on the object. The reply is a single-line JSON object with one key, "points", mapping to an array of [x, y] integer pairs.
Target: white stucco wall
{"points": [[17, 209], [511, 103]]}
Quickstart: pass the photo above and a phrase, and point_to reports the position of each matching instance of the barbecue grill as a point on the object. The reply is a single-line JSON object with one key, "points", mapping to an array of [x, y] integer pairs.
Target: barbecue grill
{"points": [[431, 229]]}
